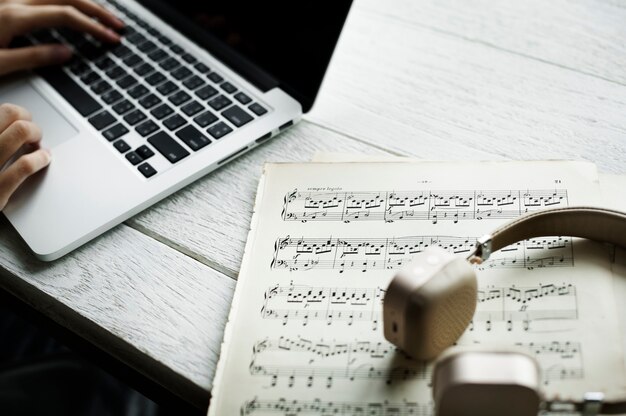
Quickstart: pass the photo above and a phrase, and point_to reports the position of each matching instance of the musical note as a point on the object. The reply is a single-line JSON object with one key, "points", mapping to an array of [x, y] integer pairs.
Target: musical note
{"points": [[434, 206], [496, 305], [298, 358], [305, 303], [364, 254], [286, 407], [559, 360]]}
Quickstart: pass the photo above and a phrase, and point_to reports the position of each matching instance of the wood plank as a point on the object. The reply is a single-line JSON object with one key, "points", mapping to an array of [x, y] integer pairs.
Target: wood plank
{"points": [[168, 309], [400, 86], [210, 219], [581, 35]]}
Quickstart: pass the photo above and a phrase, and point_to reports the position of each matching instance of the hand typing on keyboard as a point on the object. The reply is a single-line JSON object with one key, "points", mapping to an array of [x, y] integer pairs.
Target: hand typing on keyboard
{"points": [[19, 17], [20, 155]]}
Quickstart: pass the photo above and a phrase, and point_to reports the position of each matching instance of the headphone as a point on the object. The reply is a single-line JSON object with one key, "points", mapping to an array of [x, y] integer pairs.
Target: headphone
{"points": [[430, 303]]}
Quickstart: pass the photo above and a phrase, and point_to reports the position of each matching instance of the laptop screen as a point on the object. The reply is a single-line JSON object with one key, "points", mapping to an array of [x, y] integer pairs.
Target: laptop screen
{"points": [[271, 43]]}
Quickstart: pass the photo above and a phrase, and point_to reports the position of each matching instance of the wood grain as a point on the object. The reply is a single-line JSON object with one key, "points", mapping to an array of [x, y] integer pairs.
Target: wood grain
{"points": [[405, 88], [585, 36], [169, 307]]}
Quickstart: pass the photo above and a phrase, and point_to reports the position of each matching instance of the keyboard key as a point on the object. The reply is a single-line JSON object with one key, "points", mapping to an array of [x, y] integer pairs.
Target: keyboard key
{"points": [[133, 158], [91, 51], [144, 152], [121, 146], [152, 31], [115, 132], [202, 68], [162, 111], [179, 98], [192, 138], [111, 96], [147, 46], [206, 92], [181, 73], [215, 77], [121, 51], [79, 67], [228, 87], [100, 87], [174, 122], [127, 81], [167, 88], [164, 40], [134, 117], [123, 106], [146, 128], [192, 108], [136, 38], [237, 116], [158, 55], [219, 102], [144, 69], [219, 130], [242, 98], [138, 91], [149, 101], [168, 64], [205, 119], [104, 63], [133, 60], [257, 109], [115, 72], [177, 49], [168, 147], [102, 120], [90, 78], [193, 82], [147, 170], [189, 58], [155, 79]]}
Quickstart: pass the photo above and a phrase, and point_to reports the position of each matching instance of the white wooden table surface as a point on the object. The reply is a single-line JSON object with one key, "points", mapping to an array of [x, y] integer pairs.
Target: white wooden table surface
{"points": [[433, 79]]}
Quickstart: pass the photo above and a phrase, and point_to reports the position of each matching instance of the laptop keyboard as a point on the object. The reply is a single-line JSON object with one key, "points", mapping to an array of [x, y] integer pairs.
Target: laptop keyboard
{"points": [[151, 85]]}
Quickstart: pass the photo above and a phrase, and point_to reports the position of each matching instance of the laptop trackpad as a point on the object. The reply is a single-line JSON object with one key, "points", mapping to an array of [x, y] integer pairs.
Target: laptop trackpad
{"points": [[56, 129]]}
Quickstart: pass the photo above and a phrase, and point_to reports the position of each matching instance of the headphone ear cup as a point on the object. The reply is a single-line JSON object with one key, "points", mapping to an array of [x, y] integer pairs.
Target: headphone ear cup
{"points": [[430, 303], [452, 306]]}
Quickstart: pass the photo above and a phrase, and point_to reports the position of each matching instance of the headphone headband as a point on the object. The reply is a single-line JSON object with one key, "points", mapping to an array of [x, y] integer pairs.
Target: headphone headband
{"points": [[593, 223]]}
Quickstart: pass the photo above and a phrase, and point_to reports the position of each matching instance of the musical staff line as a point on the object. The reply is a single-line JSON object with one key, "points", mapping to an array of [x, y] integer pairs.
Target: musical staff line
{"points": [[428, 205], [505, 305], [558, 360], [286, 407], [327, 361], [363, 254]]}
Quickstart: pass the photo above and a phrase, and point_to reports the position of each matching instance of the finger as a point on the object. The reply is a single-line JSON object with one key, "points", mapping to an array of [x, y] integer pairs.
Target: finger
{"points": [[88, 7], [25, 19], [17, 173], [12, 60], [10, 113], [19, 133]]}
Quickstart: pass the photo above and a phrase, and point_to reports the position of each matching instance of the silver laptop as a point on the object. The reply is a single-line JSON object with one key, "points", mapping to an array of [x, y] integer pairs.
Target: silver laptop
{"points": [[192, 86]]}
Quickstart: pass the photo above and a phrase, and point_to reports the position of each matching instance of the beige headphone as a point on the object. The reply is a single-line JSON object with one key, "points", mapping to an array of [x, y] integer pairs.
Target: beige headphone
{"points": [[429, 304]]}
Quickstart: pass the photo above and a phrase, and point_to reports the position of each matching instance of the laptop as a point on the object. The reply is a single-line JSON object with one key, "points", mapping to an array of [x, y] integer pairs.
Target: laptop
{"points": [[192, 86]]}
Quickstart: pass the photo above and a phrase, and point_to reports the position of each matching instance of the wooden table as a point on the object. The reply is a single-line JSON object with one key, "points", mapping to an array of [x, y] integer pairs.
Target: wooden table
{"points": [[433, 79]]}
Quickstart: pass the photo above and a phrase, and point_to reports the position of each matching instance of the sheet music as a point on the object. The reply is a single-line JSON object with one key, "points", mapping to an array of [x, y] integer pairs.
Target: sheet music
{"points": [[305, 330]]}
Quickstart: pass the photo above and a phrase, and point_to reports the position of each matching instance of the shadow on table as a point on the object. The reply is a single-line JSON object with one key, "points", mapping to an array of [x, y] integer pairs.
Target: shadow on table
{"points": [[38, 375]]}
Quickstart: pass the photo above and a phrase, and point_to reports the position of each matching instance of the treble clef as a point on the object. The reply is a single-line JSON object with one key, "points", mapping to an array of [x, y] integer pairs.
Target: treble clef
{"points": [[289, 197], [249, 407]]}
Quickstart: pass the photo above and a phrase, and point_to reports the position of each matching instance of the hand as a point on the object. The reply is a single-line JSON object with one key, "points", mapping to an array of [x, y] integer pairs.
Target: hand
{"points": [[17, 135], [18, 17]]}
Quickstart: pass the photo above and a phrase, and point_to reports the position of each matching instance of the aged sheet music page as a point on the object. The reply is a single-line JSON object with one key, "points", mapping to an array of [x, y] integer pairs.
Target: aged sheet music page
{"points": [[305, 331]]}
